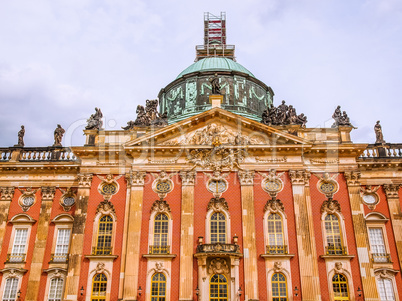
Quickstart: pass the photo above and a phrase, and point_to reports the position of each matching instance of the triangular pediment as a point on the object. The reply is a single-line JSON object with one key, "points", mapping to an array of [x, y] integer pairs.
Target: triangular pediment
{"points": [[217, 127]]}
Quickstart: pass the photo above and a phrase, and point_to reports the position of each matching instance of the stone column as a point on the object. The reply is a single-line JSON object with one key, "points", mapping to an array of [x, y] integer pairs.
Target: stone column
{"points": [[249, 247], [77, 238], [187, 236], [394, 205], [133, 235], [40, 243], [309, 277], [7, 194], [361, 236]]}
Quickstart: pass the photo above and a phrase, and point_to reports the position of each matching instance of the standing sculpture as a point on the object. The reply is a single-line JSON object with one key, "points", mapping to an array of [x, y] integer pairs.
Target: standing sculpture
{"points": [[95, 121], [283, 115], [379, 138], [58, 135], [216, 87], [21, 134], [341, 119]]}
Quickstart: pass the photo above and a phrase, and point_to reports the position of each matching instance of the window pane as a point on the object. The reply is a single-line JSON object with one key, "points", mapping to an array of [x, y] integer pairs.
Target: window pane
{"points": [[10, 290]]}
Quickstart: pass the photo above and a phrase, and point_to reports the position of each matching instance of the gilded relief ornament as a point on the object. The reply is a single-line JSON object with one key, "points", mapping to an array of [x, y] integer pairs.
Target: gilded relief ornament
{"points": [[109, 186], [272, 183], [160, 206], [369, 196], [217, 183], [162, 184], [327, 185], [274, 205], [218, 266], [27, 199], [218, 205], [330, 206], [277, 266], [106, 208], [67, 200]]}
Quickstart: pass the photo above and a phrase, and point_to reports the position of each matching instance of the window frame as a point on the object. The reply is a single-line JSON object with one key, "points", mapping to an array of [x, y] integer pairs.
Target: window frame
{"points": [[61, 222], [152, 229], [284, 228], [20, 221], [95, 231], [208, 233], [342, 228], [278, 282], [227, 288], [378, 220], [16, 289], [387, 274], [152, 282]]}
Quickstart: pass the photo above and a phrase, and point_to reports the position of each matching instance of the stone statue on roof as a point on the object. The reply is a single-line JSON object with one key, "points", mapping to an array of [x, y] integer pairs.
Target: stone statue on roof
{"points": [[379, 138], [58, 135]]}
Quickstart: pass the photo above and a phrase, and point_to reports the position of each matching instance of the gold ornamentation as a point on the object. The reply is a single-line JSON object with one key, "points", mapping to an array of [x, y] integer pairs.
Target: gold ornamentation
{"points": [[162, 184], [369, 196], [84, 180], [27, 199], [277, 266], [327, 185], [67, 200], [7, 193], [300, 177], [218, 266], [272, 183], [338, 267], [187, 178], [217, 158], [160, 206], [217, 183], [136, 178], [218, 205], [273, 160], [106, 208], [246, 177], [100, 268], [352, 178], [48, 193], [330, 206], [274, 205], [318, 161], [391, 190]]}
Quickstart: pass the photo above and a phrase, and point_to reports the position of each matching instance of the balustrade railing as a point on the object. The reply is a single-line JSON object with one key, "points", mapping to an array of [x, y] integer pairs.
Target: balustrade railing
{"points": [[62, 258], [101, 250], [15, 258], [277, 249], [387, 150], [5, 154], [336, 250], [47, 154], [217, 248], [381, 257], [159, 249]]}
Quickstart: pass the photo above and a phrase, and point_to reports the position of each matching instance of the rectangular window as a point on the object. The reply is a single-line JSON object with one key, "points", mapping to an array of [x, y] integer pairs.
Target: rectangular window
{"points": [[20, 241], [385, 289], [10, 290], [63, 240], [377, 245], [56, 289]]}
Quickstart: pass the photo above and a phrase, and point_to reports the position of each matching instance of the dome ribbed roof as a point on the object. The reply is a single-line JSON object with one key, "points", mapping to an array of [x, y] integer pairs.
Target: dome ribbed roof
{"points": [[215, 64]]}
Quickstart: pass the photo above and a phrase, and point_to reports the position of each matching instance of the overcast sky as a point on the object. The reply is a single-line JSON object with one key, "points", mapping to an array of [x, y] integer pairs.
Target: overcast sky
{"points": [[59, 59]]}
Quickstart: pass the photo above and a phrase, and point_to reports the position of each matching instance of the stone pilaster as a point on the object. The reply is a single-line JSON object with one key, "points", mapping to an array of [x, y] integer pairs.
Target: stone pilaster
{"points": [[361, 236], [309, 277], [130, 268], [394, 205], [187, 235], [7, 194], [249, 247], [77, 238], [40, 243]]}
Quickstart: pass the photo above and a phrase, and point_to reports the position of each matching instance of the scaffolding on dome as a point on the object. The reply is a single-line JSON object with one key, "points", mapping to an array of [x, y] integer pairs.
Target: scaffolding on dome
{"points": [[214, 38]]}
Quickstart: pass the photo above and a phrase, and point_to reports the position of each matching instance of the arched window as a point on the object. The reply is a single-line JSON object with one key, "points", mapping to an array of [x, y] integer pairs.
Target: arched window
{"points": [[99, 283], [104, 239], [385, 289], [10, 290], [218, 228], [340, 287], [275, 235], [158, 287], [333, 235], [161, 231], [56, 289], [218, 288], [279, 287]]}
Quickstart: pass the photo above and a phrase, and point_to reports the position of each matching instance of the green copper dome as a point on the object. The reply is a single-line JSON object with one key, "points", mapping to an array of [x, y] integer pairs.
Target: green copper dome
{"points": [[215, 64]]}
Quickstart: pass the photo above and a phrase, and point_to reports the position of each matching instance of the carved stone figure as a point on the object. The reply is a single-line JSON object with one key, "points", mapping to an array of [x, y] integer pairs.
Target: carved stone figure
{"points": [[217, 158], [379, 138], [21, 134], [341, 119], [218, 266], [95, 120], [148, 116], [283, 115], [58, 135], [216, 87]]}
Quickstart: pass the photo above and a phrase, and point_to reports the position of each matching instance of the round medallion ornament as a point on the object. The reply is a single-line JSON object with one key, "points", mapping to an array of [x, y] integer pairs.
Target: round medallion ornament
{"points": [[28, 201], [108, 189], [163, 187], [369, 199], [272, 186], [217, 186], [68, 201], [328, 186]]}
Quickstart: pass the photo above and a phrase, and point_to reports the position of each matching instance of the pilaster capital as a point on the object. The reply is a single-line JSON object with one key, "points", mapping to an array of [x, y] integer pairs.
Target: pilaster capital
{"points": [[84, 180], [391, 190], [48, 193], [352, 178], [187, 178], [246, 177], [136, 178], [7, 193], [299, 177]]}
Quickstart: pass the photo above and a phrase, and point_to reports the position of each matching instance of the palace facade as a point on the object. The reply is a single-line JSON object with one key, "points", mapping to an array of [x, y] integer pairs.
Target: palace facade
{"points": [[220, 195]]}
